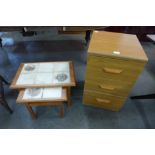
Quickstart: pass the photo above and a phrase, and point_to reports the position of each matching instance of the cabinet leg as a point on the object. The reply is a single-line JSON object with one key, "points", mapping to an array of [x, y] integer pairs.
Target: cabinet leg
{"points": [[69, 96], [62, 111], [32, 113]]}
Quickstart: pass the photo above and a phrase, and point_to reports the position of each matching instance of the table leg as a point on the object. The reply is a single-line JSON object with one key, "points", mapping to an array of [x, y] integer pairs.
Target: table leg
{"points": [[2, 97], [1, 45], [5, 104], [32, 113], [62, 110], [69, 96]]}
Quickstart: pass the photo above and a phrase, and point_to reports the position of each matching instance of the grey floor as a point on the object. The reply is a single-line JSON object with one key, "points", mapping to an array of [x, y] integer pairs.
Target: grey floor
{"points": [[134, 114]]}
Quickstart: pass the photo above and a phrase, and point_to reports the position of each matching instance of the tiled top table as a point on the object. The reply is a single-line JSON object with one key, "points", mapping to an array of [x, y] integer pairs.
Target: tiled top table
{"points": [[44, 83], [43, 74]]}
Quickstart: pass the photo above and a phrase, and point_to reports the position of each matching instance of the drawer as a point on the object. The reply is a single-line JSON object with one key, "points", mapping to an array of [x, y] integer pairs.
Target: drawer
{"points": [[118, 88], [103, 101], [116, 74], [113, 68], [115, 64]]}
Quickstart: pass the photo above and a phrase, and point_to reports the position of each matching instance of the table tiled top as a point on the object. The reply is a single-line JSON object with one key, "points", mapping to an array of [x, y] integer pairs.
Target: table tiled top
{"points": [[44, 74]]}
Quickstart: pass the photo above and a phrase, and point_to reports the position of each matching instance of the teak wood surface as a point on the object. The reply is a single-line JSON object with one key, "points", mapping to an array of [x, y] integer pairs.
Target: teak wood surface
{"points": [[115, 61], [70, 84], [106, 101], [104, 43]]}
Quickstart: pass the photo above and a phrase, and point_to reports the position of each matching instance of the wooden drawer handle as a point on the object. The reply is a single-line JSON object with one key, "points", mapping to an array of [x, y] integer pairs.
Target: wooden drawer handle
{"points": [[102, 100], [106, 87], [111, 70]]}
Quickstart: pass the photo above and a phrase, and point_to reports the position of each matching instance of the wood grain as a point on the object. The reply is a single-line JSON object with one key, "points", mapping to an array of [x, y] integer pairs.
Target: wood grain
{"points": [[109, 86], [105, 101], [32, 113], [126, 70], [111, 76], [114, 63], [104, 43], [13, 83]]}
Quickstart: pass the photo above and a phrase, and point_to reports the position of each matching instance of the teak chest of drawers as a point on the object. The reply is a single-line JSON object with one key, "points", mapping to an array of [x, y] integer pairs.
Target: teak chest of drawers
{"points": [[115, 61]]}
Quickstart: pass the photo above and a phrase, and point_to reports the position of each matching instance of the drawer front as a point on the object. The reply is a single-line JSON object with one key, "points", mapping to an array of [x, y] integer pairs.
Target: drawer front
{"points": [[103, 101], [113, 68], [115, 63], [126, 76], [117, 88]]}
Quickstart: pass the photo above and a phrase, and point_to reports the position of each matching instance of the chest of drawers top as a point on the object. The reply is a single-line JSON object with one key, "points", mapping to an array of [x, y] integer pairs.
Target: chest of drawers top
{"points": [[119, 45]]}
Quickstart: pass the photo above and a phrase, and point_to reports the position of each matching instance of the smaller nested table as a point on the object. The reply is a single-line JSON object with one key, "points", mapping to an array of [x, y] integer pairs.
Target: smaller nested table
{"points": [[29, 103]]}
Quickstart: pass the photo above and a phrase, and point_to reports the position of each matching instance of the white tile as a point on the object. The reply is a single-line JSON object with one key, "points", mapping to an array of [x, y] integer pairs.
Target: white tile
{"points": [[61, 67], [26, 79], [44, 78], [45, 67], [52, 92]]}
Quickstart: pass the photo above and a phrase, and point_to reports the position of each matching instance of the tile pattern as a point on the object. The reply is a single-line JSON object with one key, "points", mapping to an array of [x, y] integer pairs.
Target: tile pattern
{"points": [[43, 73]]}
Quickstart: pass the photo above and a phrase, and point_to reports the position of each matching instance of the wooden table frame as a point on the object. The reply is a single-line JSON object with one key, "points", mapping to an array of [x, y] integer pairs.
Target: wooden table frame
{"points": [[67, 86], [46, 102], [70, 84]]}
